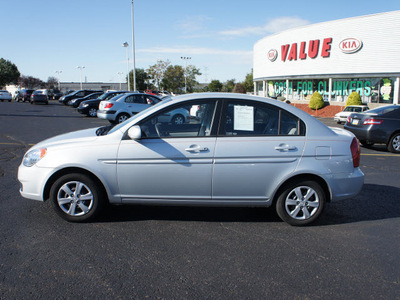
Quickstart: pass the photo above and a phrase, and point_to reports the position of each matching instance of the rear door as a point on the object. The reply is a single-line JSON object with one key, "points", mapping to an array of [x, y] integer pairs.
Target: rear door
{"points": [[257, 146]]}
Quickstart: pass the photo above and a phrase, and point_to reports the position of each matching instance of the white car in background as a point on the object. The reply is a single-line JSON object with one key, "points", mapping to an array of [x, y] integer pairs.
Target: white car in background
{"points": [[5, 95], [343, 115]]}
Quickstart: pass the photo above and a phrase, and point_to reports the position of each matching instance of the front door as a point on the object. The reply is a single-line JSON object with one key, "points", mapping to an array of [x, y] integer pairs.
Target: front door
{"points": [[172, 162]]}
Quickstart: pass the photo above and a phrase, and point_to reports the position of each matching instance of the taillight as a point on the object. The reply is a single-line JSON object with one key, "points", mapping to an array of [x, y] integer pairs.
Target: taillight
{"points": [[348, 119], [108, 105], [372, 122], [355, 152]]}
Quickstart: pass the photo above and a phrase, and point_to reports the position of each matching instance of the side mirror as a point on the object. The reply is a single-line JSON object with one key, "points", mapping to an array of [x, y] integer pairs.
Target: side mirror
{"points": [[135, 132]]}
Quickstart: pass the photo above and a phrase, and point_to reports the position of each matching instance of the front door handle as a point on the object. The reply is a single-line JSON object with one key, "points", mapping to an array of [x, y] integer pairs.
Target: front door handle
{"points": [[285, 148], [196, 149]]}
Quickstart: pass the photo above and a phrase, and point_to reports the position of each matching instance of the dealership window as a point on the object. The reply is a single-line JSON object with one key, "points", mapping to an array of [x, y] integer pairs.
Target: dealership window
{"points": [[371, 90]]}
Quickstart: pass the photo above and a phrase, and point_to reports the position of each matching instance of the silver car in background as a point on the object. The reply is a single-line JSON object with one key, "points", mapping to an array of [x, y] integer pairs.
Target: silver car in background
{"points": [[118, 109], [238, 150]]}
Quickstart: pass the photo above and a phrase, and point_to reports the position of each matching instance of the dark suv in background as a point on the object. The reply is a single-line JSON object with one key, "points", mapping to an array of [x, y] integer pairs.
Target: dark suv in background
{"points": [[24, 95], [78, 94]]}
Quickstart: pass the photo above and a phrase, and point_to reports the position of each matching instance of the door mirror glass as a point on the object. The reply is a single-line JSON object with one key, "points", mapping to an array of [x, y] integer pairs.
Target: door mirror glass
{"points": [[135, 132]]}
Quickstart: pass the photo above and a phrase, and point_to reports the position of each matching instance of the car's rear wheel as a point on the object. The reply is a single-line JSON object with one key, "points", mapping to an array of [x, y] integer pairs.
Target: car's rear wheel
{"points": [[394, 144], [300, 202], [122, 117], [92, 112], [77, 198], [178, 120]]}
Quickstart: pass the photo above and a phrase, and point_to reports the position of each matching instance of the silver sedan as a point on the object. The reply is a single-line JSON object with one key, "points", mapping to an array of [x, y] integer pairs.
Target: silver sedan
{"points": [[235, 150]]}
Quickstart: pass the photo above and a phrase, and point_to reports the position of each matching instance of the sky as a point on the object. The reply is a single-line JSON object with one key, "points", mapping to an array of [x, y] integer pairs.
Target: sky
{"points": [[42, 37]]}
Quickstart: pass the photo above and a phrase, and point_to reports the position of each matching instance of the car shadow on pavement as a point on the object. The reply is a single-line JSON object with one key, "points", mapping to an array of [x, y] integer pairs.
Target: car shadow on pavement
{"points": [[375, 202]]}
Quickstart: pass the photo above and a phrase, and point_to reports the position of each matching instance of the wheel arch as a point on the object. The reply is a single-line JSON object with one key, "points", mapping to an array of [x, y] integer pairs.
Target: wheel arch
{"points": [[303, 177], [393, 134], [69, 170]]}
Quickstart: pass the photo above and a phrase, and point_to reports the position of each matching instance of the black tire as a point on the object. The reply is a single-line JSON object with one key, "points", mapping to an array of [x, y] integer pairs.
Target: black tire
{"points": [[178, 119], [122, 117], [303, 211], [92, 112], [77, 198], [366, 144], [394, 143]]}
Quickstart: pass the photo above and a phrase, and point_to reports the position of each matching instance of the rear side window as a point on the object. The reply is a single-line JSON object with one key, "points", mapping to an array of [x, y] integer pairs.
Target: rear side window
{"points": [[244, 118]]}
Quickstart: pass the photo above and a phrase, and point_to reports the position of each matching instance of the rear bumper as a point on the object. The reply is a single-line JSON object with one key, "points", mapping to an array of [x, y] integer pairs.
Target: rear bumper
{"points": [[344, 186], [107, 115]]}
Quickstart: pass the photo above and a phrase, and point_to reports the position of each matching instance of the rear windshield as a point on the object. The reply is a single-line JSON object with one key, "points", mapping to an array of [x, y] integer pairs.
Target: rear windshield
{"points": [[383, 109]]}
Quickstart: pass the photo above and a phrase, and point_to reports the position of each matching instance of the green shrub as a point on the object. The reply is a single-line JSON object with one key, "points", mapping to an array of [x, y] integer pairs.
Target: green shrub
{"points": [[316, 101], [354, 99]]}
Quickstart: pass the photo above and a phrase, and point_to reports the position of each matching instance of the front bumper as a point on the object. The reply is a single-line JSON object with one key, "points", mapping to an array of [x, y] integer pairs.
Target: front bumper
{"points": [[32, 180]]}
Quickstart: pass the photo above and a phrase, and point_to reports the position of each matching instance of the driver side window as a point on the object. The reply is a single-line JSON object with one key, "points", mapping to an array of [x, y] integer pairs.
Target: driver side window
{"points": [[188, 120]]}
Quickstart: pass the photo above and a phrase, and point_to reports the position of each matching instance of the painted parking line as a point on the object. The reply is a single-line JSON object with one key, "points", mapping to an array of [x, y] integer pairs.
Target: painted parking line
{"points": [[377, 154]]}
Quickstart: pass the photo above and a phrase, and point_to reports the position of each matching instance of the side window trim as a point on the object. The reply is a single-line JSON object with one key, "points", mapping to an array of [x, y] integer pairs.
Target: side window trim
{"points": [[214, 121]]}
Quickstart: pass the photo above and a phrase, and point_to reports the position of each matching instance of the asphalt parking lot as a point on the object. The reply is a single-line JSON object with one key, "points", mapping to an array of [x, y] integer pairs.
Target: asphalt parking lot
{"points": [[135, 252]]}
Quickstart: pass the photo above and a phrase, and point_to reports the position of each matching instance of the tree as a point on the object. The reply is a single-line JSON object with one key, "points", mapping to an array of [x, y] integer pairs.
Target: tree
{"points": [[52, 83], [191, 73], [215, 86], [174, 79], [228, 86], [239, 88], [8, 72], [248, 82], [156, 72], [141, 79], [31, 82]]}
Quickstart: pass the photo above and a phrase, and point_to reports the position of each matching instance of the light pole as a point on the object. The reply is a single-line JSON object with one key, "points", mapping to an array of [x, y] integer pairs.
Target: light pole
{"points": [[126, 45], [185, 58], [120, 80], [58, 73], [133, 51], [81, 68]]}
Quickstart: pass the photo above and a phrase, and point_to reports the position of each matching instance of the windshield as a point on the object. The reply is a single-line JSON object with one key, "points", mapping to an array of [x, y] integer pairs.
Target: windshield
{"points": [[137, 116]]}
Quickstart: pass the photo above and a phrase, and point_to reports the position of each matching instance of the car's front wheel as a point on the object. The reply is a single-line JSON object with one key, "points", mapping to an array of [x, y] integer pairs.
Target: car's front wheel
{"points": [[394, 144], [77, 198], [300, 202]]}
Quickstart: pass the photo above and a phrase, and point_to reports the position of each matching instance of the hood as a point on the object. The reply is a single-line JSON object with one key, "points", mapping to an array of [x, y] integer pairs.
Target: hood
{"points": [[80, 136]]}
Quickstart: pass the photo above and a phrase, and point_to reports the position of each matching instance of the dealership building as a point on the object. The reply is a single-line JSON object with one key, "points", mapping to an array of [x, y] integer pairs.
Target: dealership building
{"points": [[334, 58]]}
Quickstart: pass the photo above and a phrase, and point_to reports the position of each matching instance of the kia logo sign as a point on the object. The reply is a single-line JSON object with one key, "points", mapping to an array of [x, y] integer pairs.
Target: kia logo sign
{"points": [[350, 45], [272, 54]]}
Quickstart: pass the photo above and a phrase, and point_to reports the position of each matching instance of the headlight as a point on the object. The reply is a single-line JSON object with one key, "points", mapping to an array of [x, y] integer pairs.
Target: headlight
{"points": [[32, 157], [85, 105]]}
